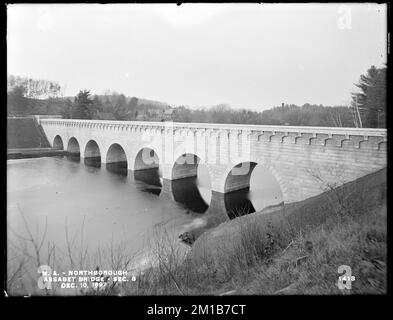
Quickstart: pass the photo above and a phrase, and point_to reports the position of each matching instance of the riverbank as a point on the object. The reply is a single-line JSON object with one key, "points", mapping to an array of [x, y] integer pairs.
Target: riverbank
{"points": [[294, 250], [23, 153]]}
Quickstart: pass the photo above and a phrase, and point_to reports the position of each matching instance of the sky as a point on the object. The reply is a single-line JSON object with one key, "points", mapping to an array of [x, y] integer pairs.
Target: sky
{"points": [[247, 55]]}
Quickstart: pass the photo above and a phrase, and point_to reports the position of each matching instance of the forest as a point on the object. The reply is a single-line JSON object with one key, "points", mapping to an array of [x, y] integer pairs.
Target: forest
{"points": [[27, 96]]}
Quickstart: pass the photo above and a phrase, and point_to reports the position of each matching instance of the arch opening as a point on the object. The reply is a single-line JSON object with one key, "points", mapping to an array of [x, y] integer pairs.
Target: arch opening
{"points": [[73, 150], [116, 159], [92, 154], [58, 143], [249, 188], [191, 184], [147, 171]]}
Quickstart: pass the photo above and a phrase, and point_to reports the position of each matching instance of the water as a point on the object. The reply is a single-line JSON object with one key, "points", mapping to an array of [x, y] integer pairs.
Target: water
{"points": [[98, 205], [110, 206]]}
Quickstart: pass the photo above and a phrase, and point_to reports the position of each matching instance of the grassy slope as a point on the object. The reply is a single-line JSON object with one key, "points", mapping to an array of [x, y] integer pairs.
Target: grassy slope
{"points": [[296, 250], [342, 226], [24, 133]]}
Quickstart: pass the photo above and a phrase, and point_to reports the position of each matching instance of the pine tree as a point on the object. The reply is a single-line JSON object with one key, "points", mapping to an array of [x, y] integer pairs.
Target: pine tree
{"points": [[372, 98], [82, 104]]}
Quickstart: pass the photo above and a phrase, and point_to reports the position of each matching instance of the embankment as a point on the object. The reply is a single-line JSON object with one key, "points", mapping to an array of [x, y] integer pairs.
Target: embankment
{"points": [[25, 132], [26, 139]]}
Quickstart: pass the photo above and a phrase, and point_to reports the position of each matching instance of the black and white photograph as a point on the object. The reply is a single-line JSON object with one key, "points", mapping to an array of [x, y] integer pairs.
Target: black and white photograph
{"points": [[196, 149]]}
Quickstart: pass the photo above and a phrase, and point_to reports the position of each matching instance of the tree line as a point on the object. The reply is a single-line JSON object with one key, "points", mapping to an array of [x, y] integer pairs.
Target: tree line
{"points": [[367, 108], [305, 115]]}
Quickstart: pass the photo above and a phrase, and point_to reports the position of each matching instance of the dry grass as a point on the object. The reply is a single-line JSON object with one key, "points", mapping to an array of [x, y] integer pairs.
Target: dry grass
{"points": [[27, 254], [309, 265]]}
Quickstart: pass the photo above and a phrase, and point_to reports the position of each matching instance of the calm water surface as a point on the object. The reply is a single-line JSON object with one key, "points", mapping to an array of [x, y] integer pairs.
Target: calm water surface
{"points": [[101, 205]]}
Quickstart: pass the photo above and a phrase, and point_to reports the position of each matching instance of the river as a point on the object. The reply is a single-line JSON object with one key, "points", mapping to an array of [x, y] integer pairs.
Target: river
{"points": [[96, 206]]}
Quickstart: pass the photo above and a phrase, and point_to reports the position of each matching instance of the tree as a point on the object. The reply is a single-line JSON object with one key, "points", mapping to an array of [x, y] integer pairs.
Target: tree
{"points": [[96, 108], [120, 107], [34, 88], [32, 96], [372, 97], [16, 102], [132, 108], [18, 91], [82, 106], [66, 111], [221, 113], [116, 104]]}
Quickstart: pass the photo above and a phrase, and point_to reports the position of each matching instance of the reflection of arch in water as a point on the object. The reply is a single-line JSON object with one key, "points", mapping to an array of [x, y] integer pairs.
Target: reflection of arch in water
{"points": [[92, 154], [185, 183], [237, 185], [58, 143], [73, 150], [237, 203], [147, 171], [116, 159], [148, 180], [186, 192]]}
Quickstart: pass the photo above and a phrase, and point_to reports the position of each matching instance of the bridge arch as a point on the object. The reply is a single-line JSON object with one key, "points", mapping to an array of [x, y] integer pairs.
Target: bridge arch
{"points": [[186, 165], [116, 154], [240, 199], [147, 169], [92, 150], [146, 158], [191, 184], [73, 146], [58, 142], [239, 176], [92, 154]]}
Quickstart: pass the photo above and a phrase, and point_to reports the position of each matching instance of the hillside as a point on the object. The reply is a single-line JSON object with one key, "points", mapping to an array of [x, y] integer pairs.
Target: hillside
{"points": [[25, 133]]}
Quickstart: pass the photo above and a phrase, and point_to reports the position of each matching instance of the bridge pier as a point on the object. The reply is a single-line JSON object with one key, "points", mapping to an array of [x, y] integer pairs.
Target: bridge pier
{"points": [[167, 190], [217, 205]]}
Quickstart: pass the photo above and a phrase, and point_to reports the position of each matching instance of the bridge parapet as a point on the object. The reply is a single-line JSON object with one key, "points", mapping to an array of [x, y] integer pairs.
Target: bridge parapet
{"points": [[254, 130]]}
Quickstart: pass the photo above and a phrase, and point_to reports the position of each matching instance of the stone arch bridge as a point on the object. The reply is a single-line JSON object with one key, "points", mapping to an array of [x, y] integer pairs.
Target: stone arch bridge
{"points": [[298, 157]]}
